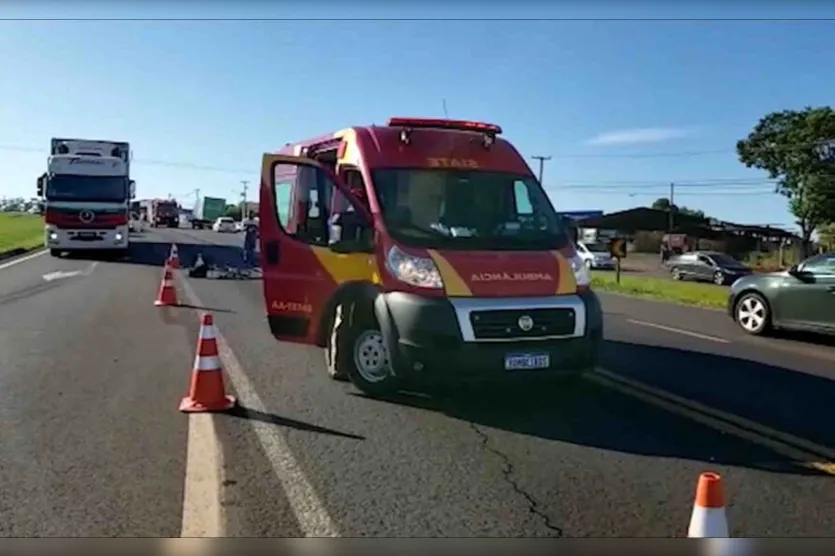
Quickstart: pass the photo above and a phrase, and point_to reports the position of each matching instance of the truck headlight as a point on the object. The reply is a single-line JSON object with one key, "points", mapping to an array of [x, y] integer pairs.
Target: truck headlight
{"points": [[581, 273], [119, 236], [53, 235], [413, 270]]}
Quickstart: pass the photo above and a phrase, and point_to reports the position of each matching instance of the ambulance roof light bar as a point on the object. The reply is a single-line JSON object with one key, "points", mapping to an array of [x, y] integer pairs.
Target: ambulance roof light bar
{"points": [[433, 123]]}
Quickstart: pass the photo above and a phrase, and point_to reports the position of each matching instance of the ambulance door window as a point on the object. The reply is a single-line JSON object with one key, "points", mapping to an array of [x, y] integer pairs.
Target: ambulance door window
{"points": [[284, 202]]}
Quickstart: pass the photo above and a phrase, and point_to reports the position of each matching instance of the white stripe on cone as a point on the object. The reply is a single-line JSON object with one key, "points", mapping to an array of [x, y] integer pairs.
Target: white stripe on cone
{"points": [[208, 333], [708, 523], [207, 363]]}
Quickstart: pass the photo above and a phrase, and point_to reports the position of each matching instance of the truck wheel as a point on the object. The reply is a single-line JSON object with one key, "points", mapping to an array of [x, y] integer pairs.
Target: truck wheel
{"points": [[362, 355], [55, 252]]}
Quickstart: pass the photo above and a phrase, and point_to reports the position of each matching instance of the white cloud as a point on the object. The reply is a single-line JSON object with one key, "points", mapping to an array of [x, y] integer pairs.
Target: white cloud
{"points": [[640, 136]]}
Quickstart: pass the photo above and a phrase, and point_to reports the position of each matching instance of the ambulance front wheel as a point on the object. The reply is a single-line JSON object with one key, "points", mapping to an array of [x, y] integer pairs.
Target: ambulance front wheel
{"points": [[363, 356]]}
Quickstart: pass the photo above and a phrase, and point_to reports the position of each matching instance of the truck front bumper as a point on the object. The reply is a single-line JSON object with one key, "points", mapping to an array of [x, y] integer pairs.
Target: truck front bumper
{"points": [[87, 239]]}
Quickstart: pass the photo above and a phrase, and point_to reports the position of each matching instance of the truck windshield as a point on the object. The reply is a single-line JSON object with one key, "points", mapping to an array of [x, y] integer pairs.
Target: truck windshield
{"points": [[87, 188], [465, 209]]}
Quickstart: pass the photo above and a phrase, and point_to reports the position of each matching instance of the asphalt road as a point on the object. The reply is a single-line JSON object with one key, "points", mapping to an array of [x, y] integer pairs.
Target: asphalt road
{"points": [[92, 443]]}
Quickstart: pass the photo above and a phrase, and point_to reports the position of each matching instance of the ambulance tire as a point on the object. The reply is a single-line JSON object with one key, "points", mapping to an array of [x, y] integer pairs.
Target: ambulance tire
{"points": [[362, 343]]}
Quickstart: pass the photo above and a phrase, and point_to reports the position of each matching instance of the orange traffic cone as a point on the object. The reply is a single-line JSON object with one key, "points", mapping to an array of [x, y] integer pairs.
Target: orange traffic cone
{"points": [[207, 391], [167, 295], [174, 257], [708, 519]]}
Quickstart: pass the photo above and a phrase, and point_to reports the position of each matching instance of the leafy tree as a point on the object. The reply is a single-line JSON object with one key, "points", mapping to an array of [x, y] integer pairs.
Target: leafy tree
{"points": [[796, 147], [826, 234], [663, 203]]}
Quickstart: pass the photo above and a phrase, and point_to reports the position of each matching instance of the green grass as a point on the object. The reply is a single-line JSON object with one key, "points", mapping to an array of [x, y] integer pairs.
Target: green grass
{"points": [[23, 231], [683, 293]]}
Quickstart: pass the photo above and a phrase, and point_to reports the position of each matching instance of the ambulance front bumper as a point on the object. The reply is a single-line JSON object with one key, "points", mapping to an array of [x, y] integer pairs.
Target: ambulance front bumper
{"points": [[481, 339]]}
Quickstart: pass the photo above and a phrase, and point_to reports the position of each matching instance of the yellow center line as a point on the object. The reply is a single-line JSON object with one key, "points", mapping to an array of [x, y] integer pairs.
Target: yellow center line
{"points": [[804, 452]]}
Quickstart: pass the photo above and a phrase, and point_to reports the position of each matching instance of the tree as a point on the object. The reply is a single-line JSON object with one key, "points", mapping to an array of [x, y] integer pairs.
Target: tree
{"points": [[797, 148], [663, 203]]}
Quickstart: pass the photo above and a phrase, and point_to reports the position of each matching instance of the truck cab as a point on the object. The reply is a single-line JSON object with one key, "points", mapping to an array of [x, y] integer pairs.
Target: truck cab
{"points": [[422, 251], [86, 192]]}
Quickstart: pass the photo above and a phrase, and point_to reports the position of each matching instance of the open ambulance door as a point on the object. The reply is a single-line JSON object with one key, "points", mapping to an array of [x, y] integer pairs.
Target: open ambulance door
{"points": [[302, 259]]}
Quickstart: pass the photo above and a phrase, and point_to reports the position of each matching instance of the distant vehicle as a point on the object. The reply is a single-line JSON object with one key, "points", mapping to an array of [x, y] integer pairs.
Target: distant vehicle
{"points": [[164, 212], [595, 255], [707, 266], [206, 212], [224, 224], [86, 193], [801, 298]]}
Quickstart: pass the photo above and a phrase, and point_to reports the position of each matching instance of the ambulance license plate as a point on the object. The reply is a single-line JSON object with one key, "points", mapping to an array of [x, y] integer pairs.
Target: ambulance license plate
{"points": [[526, 361]]}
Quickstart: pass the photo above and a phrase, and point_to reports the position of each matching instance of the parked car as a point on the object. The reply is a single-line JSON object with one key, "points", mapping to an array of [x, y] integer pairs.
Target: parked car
{"points": [[595, 255], [224, 224], [801, 298], [707, 266]]}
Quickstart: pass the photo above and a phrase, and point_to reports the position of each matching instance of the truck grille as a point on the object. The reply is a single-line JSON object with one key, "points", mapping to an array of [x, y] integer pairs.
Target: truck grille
{"points": [[504, 324]]}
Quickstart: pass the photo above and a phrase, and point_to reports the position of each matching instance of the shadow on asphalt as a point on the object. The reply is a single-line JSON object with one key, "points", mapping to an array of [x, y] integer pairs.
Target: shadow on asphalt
{"points": [[805, 337], [589, 414], [272, 419], [150, 253], [784, 399]]}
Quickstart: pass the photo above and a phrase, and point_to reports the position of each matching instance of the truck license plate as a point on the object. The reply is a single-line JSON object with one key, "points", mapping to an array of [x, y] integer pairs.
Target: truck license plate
{"points": [[87, 235], [526, 361]]}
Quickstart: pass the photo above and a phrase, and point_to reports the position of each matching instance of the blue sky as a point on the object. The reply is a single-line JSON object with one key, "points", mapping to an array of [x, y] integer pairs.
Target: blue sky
{"points": [[624, 108]]}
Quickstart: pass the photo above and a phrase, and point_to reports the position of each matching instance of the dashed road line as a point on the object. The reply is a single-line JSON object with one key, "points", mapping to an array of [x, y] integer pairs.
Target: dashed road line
{"points": [[311, 515], [682, 331], [202, 510]]}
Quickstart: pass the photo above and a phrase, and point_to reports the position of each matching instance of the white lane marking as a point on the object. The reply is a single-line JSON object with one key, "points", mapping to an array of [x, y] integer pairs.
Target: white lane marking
{"points": [[202, 510], [680, 331], [58, 275], [61, 274], [311, 514], [22, 259]]}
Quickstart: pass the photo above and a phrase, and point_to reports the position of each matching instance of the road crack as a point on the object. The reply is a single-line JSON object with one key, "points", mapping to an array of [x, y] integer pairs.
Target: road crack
{"points": [[507, 474]]}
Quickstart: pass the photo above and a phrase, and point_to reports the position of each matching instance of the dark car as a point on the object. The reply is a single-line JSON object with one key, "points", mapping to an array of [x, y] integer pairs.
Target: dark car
{"points": [[707, 266], [801, 298]]}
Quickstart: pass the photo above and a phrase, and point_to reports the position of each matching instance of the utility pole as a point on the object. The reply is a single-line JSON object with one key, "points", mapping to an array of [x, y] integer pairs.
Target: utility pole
{"points": [[542, 160], [672, 205], [244, 183]]}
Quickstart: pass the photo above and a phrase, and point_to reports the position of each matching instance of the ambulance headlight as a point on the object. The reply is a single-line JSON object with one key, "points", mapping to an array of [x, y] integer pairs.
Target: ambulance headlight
{"points": [[413, 270], [581, 273]]}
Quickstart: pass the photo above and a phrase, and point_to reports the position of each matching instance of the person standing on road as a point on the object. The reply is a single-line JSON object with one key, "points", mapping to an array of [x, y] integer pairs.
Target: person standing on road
{"points": [[250, 227]]}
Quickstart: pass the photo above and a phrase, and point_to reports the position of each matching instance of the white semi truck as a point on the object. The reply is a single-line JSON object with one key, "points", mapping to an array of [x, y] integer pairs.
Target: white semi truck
{"points": [[86, 195]]}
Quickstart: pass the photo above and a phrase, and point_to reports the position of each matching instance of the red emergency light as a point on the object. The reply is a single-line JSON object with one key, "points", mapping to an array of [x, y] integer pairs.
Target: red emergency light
{"points": [[432, 123]]}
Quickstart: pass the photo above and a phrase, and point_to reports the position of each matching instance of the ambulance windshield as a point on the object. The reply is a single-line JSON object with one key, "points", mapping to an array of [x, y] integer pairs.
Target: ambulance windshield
{"points": [[466, 209]]}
